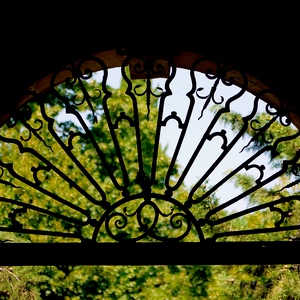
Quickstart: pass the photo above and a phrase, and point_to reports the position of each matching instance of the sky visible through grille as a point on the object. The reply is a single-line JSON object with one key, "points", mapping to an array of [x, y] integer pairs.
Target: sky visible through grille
{"points": [[179, 102]]}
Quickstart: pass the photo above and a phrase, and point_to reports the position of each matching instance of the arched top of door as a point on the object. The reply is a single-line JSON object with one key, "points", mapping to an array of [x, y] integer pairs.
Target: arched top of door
{"points": [[258, 80]]}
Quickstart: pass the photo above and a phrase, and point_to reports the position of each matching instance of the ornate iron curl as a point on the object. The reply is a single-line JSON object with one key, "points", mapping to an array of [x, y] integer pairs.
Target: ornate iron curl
{"points": [[147, 68], [220, 74], [16, 224], [146, 230], [180, 220], [23, 116], [224, 75], [7, 182], [278, 115], [78, 76], [295, 170]]}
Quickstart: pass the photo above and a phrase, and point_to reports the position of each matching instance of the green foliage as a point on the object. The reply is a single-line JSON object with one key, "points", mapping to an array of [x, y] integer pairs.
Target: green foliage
{"points": [[256, 282], [119, 282], [78, 282], [20, 282], [263, 282], [130, 282]]}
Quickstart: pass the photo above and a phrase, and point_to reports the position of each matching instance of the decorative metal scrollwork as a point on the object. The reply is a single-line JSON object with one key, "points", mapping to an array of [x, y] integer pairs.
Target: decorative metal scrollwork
{"points": [[89, 162]]}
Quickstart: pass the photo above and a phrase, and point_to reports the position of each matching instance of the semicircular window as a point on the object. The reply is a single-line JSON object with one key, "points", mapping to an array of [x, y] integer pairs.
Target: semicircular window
{"points": [[150, 152]]}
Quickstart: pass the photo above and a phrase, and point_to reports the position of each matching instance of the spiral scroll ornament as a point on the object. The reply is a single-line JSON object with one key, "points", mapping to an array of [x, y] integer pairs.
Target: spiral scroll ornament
{"points": [[86, 161]]}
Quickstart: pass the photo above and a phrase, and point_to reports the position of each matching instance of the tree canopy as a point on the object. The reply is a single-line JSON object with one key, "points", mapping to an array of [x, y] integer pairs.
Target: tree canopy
{"points": [[77, 164]]}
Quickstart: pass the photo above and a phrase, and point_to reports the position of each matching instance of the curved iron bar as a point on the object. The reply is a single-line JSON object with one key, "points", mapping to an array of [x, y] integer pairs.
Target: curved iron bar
{"points": [[211, 95], [149, 66], [71, 110], [183, 128], [27, 206], [45, 232], [136, 123], [70, 147], [36, 184], [284, 168], [270, 205], [110, 213], [147, 202], [173, 116], [261, 132], [260, 168], [294, 183], [296, 169], [207, 135], [35, 171], [237, 137], [245, 165], [68, 150], [7, 182], [122, 116], [278, 114], [182, 220], [252, 232], [296, 172], [35, 130], [283, 215], [77, 76], [160, 122], [12, 215], [219, 76], [24, 115], [148, 92], [222, 134]]}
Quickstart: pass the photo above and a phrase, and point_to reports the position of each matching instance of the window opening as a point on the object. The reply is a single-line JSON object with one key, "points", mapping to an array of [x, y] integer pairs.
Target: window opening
{"points": [[188, 157]]}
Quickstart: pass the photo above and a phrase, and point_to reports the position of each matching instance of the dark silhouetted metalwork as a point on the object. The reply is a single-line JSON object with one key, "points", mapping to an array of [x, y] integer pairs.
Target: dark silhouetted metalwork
{"points": [[101, 199]]}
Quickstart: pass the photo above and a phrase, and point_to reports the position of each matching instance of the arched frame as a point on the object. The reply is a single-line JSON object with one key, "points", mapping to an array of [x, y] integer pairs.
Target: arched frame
{"points": [[161, 253]]}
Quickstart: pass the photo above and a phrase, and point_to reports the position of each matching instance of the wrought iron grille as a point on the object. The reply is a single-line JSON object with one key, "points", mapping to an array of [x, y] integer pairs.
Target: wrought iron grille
{"points": [[169, 155]]}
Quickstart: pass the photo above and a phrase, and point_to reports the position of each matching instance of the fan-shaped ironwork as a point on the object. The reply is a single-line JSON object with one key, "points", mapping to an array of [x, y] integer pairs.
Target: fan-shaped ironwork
{"points": [[85, 161]]}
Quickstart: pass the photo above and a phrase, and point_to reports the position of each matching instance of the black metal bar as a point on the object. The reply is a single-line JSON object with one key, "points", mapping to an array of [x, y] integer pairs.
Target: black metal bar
{"points": [[138, 214], [219, 253]]}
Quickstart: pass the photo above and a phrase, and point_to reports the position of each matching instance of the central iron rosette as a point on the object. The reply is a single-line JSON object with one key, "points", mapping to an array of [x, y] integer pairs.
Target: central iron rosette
{"points": [[134, 218]]}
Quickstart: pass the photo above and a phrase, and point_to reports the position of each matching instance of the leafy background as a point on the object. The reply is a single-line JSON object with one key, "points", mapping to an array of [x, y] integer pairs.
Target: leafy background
{"points": [[130, 282]]}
